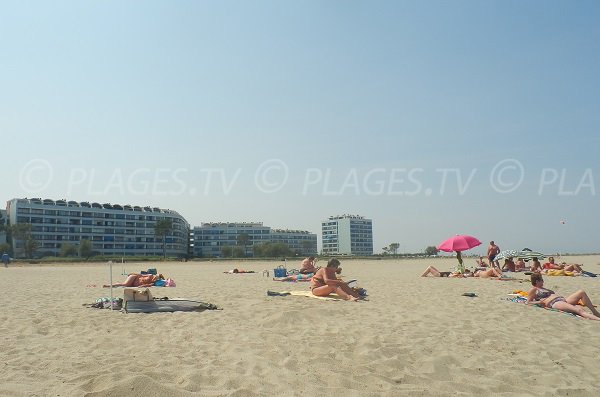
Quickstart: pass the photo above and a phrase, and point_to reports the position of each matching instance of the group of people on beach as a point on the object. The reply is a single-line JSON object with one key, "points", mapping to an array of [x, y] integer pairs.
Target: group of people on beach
{"points": [[537, 295]]}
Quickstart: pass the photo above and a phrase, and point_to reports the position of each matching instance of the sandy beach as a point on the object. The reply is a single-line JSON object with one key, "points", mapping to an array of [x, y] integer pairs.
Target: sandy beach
{"points": [[415, 336]]}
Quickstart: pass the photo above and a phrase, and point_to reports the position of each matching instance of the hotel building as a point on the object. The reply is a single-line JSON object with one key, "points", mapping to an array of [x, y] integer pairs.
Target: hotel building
{"points": [[113, 229], [347, 235], [211, 238]]}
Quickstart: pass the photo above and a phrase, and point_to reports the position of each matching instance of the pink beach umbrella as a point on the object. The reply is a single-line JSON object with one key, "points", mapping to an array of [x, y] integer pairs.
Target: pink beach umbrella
{"points": [[459, 243]]}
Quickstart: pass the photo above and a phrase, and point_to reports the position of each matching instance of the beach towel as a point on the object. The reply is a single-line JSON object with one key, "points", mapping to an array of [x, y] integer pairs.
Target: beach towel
{"points": [[169, 305], [559, 272], [517, 298], [308, 294]]}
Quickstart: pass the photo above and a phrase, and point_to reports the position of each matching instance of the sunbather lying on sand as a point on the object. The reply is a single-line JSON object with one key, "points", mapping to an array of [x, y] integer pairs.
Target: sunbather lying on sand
{"points": [[295, 277], [236, 271], [538, 295], [432, 271], [491, 272], [138, 280]]}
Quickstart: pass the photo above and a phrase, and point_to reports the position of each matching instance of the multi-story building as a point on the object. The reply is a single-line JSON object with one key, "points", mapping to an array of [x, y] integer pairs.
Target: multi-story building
{"points": [[347, 235], [211, 238], [3, 222], [113, 229]]}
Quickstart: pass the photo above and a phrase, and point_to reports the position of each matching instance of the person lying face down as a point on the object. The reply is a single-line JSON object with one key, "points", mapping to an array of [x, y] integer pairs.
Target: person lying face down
{"points": [[538, 295], [138, 280]]}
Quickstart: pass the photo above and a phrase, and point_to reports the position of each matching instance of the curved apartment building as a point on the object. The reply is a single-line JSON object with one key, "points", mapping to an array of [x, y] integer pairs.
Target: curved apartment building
{"points": [[113, 229]]}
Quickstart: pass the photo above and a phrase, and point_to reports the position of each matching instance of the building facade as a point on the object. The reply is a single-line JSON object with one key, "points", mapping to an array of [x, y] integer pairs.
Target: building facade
{"points": [[211, 238], [112, 229], [347, 235], [3, 223]]}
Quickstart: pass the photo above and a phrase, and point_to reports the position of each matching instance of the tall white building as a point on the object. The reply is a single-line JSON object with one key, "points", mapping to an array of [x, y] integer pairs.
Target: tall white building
{"points": [[347, 235]]}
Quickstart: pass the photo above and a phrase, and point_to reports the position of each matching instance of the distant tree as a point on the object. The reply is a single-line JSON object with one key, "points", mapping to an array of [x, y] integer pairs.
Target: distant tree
{"points": [[162, 228], [5, 247], [227, 251], [307, 247], [394, 248], [85, 249], [272, 250], [238, 252], [30, 247], [68, 249], [431, 250], [243, 239], [22, 232]]}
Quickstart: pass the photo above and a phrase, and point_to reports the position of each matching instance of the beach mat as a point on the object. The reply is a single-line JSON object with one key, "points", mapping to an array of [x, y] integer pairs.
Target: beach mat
{"points": [[308, 294], [172, 305]]}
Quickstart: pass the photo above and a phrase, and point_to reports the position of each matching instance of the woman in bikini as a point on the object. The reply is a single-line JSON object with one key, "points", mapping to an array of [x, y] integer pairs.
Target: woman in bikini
{"points": [[325, 282], [538, 295]]}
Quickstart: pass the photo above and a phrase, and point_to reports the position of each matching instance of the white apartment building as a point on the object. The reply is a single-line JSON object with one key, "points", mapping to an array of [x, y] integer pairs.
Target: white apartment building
{"points": [[113, 229], [347, 235], [211, 238]]}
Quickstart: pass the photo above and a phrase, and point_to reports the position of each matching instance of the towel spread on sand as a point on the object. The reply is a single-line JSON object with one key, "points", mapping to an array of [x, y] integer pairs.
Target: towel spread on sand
{"points": [[519, 296], [308, 294]]}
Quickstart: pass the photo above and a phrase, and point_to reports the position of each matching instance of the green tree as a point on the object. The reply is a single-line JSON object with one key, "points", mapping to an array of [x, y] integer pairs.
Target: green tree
{"points": [[162, 228], [431, 250], [394, 248], [227, 251], [307, 247], [30, 246], [243, 239], [238, 252], [68, 249], [5, 247], [22, 232], [272, 250], [85, 249]]}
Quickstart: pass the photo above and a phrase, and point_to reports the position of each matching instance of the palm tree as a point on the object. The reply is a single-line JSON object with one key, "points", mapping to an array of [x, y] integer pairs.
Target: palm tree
{"points": [[22, 231], [161, 229]]}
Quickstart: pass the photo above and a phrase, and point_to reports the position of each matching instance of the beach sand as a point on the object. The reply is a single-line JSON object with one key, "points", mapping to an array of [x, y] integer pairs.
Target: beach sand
{"points": [[414, 337]]}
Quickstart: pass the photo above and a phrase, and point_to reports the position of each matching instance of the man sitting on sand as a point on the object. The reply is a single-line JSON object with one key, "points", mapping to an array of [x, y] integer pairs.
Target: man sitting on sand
{"points": [[308, 265]]}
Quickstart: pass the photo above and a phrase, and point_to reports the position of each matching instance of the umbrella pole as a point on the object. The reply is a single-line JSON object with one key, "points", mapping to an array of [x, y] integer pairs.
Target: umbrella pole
{"points": [[111, 284]]}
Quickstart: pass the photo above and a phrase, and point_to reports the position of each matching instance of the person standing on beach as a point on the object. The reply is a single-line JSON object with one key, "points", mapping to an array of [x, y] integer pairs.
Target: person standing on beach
{"points": [[5, 259], [492, 251]]}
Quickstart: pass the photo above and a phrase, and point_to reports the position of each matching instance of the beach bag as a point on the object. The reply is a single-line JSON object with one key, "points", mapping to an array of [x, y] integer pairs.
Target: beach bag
{"points": [[280, 271], [137, 294]]}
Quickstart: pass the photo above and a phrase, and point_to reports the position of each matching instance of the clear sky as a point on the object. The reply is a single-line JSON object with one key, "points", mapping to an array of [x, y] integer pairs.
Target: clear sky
{"points": [[432, 118]]}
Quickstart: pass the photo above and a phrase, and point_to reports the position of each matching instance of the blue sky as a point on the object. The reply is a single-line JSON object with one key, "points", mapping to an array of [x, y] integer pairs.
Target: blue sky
{"points": [[431, 118]]}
